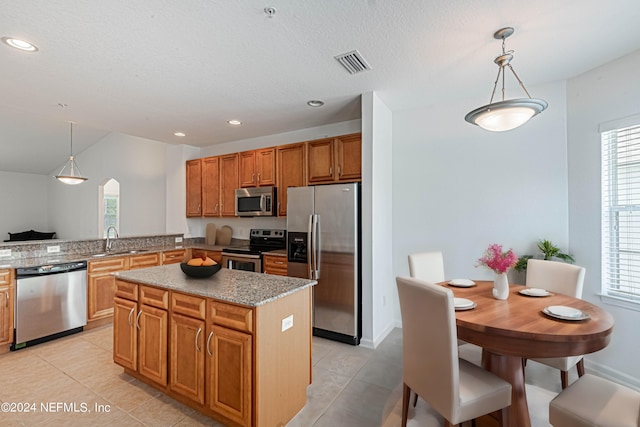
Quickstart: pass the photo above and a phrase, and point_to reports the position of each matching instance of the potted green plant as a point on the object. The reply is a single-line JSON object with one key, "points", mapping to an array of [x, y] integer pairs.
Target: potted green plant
{"points": [[549, 251]]}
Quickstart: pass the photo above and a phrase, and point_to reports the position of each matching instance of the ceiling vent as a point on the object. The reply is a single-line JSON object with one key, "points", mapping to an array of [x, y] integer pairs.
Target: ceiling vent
{"points": [[353, 62]]}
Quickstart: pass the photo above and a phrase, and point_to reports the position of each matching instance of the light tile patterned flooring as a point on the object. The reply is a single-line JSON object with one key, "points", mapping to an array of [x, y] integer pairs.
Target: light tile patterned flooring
{"points": [[352, 386]]}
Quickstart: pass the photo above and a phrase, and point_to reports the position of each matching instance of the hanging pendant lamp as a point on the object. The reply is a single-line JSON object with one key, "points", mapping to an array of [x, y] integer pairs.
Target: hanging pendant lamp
{"points": [[505, 115], [70, 174]]}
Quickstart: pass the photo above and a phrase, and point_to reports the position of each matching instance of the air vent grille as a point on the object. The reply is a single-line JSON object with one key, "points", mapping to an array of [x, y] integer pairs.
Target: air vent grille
{"points": [[353, 62]]}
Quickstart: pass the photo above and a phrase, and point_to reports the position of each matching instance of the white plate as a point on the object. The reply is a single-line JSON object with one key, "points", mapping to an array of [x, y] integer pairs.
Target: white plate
{"points": [[565, 313], [462, 303], [535, 292], [462, 283]]}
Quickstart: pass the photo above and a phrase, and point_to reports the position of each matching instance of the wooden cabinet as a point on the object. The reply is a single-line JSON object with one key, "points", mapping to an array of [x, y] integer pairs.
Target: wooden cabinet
{"points": [[194, 187], [6, 309], [101, 286], [144, 260], [229, 182], [214, 255], [291, 172], [211, 186], [187, 346], [125, 334], [230, 361], [274, 264], [174, 256], [140, 339], [336, 159], [257, 168]]}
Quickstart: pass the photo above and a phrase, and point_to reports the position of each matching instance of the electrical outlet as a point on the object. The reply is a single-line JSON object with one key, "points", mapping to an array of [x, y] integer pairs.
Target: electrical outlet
{"points": [[287, 323], [178, 239], [5, 253], [53, 249]]}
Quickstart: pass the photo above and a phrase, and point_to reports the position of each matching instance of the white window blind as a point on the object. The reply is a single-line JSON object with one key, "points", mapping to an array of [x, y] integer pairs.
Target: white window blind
{"points": [[621, 213]]}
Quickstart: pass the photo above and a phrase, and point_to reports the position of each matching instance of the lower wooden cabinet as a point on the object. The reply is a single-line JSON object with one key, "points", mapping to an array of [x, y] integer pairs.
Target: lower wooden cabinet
{"points": [[140, 331], [275, 264], [6, 309], [214, 255], [229, 373], [101, 286], [125, 333], [152, 343], [212, 354]]}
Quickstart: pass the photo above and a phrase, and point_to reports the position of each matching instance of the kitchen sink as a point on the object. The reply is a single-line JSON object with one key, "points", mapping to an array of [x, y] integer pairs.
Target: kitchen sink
{"points": [[135, 251]]}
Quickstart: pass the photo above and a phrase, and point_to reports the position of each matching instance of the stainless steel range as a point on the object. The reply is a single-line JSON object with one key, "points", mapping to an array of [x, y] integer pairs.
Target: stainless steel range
{"points": [[249, 256]]}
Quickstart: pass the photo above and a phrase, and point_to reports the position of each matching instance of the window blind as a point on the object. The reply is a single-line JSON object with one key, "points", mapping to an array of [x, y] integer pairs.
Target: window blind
{"points": [[621, 212]]}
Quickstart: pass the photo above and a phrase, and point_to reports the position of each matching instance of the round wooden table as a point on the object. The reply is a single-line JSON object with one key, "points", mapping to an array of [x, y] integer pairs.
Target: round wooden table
{"points": [[516, 328]]}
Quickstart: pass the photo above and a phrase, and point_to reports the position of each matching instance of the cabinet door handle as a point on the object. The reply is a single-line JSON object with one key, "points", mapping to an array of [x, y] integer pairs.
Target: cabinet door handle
{"points": [[216, 209], [130, 313], [253, 176], [278, 262], [258, 177], [330, 170], [208, 342], [138, 319], [339, 171], [197, 335], [6, 294]]}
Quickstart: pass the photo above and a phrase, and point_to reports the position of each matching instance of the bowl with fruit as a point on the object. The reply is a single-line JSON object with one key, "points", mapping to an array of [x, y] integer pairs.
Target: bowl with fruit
{"points": [[200, 267]]}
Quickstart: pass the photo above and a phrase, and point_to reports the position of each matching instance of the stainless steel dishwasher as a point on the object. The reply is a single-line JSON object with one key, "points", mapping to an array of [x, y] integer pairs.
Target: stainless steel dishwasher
{"points": [[51, 301]]}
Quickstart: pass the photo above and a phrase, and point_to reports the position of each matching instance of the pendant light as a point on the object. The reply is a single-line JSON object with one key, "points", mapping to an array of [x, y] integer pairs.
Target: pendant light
{"points": [[510, 114], [70, 174]]}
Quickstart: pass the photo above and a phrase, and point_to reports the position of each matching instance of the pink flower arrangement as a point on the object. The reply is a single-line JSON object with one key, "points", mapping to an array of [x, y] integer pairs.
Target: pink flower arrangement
{"points": [[497, 260]]}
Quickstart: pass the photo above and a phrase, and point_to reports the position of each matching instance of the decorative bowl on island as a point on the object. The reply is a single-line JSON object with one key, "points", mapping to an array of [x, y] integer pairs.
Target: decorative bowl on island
{"points": [[199, 271]]}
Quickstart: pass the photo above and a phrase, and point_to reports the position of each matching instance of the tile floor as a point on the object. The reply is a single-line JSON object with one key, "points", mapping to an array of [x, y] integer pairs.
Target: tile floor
{"points": [[352, 386]]}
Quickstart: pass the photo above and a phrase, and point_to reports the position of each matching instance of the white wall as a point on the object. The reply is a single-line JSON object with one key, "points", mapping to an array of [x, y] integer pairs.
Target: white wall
{"points": [[138, 164], [458, 188], [606, 93], [378, 285], [25, 203]]}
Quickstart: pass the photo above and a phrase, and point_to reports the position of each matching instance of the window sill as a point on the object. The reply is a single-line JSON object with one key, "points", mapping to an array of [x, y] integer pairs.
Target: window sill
{"points": [[620, 302]]}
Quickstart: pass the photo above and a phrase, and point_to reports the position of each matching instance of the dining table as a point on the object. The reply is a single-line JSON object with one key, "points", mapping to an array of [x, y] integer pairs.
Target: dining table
{"points": [[519, 328]]}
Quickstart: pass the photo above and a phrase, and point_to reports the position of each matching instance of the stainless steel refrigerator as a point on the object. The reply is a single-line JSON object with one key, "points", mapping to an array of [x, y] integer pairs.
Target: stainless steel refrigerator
{"points": [[323, 243]]}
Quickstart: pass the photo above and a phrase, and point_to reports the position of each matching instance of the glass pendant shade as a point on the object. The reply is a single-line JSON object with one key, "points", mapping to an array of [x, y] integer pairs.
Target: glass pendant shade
{"points": [[504, 115], [70, 174]]}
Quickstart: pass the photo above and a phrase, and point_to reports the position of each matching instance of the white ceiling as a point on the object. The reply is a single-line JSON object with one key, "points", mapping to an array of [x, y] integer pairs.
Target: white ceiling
{"points": [[150, 68]]}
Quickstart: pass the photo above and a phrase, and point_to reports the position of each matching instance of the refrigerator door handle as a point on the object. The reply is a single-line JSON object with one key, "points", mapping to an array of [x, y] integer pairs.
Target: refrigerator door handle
{"points": [[310, 248], [317, 246]]}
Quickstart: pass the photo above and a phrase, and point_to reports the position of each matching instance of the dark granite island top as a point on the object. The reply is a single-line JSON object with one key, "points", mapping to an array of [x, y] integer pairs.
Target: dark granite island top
{"points": [[235, 286]]}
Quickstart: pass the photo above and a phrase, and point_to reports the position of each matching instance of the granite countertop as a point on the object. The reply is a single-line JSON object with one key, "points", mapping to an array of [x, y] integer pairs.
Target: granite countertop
{"points": [[235, 286]]}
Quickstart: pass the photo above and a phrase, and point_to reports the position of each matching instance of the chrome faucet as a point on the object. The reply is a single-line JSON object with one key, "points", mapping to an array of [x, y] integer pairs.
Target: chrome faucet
{"points": [[109, 241]]}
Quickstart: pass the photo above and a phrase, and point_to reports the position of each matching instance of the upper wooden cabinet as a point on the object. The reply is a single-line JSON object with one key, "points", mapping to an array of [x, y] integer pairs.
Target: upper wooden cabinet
{"points": [[211, 186], [194, 187], [336, 159], [258, 168], [229, 181], [291, 172]]}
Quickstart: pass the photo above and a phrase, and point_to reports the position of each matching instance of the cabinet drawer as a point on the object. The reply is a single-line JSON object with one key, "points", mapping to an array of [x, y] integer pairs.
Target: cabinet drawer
{"points": [[188, 305], [5, 277], [126, 290], [146, 260], [275, 264], [154, 297], [231, 316], [108, 265], [173, 257]]}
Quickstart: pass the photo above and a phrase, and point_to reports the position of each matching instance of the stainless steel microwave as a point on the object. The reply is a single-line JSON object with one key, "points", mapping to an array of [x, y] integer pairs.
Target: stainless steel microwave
{"points": [[258, 201]]}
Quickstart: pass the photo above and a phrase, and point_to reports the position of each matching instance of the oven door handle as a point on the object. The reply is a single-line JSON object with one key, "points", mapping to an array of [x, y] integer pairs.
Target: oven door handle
{"points": [[246, 256]]}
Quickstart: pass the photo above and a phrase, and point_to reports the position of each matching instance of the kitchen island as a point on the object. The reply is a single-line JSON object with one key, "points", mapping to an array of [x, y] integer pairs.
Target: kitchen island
{"points": [[235, 346]]}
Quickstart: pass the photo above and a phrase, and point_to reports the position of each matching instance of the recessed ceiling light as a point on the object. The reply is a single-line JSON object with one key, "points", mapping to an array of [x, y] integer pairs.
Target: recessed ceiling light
{"points": [[180, 134], [19, 44], [315, 103], [234, 122]]}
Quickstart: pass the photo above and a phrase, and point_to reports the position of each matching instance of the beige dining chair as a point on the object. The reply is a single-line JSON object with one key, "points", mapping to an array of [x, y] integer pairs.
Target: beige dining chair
{"points": [[457, 389], [595, 401], [427, 266], [561, 278]]}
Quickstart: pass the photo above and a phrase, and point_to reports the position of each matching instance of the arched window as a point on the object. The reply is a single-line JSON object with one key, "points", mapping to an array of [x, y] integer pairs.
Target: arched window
{"points": [[109, 206]]}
